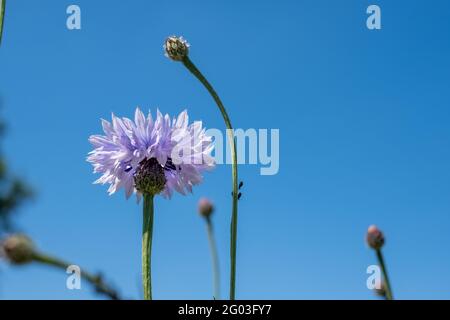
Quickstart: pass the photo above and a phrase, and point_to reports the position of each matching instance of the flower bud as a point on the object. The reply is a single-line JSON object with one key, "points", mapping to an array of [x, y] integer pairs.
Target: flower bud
{"points": [[205, 207], [18, 249], [375, 238], [176, 48]]}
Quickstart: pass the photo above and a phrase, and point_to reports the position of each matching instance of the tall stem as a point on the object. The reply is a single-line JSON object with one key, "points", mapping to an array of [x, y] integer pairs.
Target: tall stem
{"points": [[214, 258], [234, 217], [95, 280], [385, 275], [2, 18], [147, 235]]}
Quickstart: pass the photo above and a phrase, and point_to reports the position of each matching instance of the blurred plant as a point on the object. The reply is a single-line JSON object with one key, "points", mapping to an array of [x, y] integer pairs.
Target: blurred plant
{"points": [[177, 49], [206, 209], [19, 249], [2, 17], [13, 192], [138, 157], [375, 240]]}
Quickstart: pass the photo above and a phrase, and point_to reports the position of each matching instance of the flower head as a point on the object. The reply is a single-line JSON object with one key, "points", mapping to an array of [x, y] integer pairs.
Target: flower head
{"points": [[176, 48], [151, 156], [374, 237]]}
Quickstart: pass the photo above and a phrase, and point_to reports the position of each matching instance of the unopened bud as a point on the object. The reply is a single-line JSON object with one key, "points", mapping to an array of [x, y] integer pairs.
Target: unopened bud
{"points": [[205, 207], [375, 238], [18, 249], [176, 48]]}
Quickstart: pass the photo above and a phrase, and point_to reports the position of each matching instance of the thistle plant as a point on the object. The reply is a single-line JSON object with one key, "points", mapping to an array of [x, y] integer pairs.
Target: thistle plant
{"points": [[375, 240], [19, 249], [206, 209], [151, 157], [177, 49], [2, 17]]}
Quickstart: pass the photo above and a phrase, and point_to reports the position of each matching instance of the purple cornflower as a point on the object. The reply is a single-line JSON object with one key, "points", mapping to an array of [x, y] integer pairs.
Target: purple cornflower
{"points": [[151, 156]]}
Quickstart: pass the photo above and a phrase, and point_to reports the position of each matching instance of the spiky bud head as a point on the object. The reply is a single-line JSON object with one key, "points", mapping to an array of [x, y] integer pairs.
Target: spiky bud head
{"points": [[176, 48]]}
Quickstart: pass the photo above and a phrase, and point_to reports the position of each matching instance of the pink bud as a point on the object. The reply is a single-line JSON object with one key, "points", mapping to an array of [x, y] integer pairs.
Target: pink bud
{"points": [[375, 238], [205, 207]]}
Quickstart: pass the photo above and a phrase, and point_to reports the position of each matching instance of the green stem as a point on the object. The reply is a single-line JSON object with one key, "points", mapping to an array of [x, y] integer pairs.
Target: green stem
{"points": [[214, 258], [193, 69], [95, 280], [147, 235], [2, 17], [385, 275]]}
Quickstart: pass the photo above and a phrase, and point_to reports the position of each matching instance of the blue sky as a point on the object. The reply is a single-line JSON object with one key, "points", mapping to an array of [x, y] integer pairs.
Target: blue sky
{"points": [[364, 138]]}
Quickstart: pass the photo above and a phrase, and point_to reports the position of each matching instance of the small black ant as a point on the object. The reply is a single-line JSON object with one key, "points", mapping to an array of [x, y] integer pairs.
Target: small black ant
{"points": [[240, 186]]}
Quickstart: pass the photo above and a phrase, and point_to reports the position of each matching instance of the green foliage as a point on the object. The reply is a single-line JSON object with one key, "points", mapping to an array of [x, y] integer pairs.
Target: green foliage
{"points": [[13, 192]]}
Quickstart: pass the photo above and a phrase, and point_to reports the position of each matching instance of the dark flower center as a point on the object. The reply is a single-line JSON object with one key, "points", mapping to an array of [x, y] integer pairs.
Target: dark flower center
{"points": [[149, 177]]}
